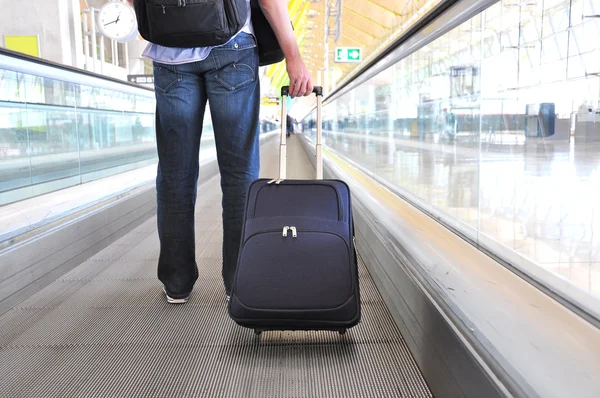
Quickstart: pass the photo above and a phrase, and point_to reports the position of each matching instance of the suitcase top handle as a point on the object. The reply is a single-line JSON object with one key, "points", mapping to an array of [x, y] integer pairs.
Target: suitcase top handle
{"points": [[318, 90], [285, 91]]}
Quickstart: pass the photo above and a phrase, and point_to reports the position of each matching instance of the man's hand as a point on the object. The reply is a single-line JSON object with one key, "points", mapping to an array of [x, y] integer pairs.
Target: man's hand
{"points": [[300, 80], [276, 13]]}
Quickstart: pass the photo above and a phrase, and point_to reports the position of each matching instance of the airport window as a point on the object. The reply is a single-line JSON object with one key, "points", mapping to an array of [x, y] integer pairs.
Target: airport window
{"points": [[495, 125]]}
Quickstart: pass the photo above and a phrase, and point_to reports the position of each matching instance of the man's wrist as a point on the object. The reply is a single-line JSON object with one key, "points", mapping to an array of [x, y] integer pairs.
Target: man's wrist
{"points": [[292, 54]]}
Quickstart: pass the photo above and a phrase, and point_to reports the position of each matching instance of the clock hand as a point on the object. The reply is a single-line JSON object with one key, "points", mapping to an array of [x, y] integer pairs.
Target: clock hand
{"points": [[115, 21]]}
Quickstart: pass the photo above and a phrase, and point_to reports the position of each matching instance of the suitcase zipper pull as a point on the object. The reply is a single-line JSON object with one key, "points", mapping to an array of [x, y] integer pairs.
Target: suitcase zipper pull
{"points": [[275, 180], [164, 10], [285, 231], [294, 234]]}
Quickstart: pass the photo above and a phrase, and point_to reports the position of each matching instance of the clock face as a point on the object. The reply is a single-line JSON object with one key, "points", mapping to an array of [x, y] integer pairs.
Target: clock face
{"points": [[117, 21]]}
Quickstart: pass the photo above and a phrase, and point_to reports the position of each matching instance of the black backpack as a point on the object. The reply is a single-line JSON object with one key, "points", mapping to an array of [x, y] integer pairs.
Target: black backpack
{"points": [[190, 23], [269, 51]]}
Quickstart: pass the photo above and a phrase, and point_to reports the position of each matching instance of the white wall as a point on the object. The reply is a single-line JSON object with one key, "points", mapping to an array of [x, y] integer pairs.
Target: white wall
{"points": [[74, 22], [31, 18], [107, 69], [136, 62], [57, 23]]}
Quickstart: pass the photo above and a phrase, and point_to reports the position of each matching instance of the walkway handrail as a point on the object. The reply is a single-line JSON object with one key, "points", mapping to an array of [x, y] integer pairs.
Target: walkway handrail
{"points": [[23, 63]]}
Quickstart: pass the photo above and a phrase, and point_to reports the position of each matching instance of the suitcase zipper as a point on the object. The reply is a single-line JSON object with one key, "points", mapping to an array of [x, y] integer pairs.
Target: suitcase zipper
{"points": [[286, 229], [294, 230]]}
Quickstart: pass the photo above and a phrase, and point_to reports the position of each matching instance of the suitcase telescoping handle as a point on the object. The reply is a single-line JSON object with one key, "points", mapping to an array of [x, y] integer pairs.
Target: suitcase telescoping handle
{"points": [[285, 90]]}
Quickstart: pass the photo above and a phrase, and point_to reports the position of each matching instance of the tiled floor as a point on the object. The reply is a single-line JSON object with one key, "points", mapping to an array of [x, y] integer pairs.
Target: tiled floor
{"points": [[540, 199]]}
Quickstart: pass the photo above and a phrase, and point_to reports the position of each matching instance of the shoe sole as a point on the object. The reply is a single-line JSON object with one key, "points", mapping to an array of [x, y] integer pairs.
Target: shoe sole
{"points": [[172, 300]]}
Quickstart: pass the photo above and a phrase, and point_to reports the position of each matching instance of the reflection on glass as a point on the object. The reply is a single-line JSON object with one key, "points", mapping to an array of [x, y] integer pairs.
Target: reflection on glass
{"points": [[114, 142], [14, 155], [55, 134], [497, 126], [12, 87], [52, 144]]}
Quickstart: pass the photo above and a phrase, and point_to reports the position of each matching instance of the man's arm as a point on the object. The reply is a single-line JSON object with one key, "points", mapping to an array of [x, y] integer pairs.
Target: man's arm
{"points": [[276, 13]]}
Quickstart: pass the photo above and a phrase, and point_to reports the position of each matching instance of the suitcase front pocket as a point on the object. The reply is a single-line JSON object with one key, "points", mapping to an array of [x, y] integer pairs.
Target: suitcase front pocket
{"points": [[298, 199], [294, 270]]}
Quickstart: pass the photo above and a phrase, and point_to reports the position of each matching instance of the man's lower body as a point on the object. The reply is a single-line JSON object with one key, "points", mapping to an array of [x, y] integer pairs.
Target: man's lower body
{"points": [[228, 80]]}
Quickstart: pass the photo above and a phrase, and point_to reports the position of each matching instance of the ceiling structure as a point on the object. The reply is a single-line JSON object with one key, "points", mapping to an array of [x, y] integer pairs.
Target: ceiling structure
{"points": [[365, 24]]}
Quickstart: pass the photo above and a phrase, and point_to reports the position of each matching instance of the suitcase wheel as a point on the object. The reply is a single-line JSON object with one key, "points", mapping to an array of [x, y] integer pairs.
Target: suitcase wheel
{"points": [[342, 332]]}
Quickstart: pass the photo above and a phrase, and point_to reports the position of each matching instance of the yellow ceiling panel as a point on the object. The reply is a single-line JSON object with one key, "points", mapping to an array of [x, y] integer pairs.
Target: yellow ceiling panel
{"points": [[364, 23], [371, 11], [363, 30], [359, 36], [398, 7]]}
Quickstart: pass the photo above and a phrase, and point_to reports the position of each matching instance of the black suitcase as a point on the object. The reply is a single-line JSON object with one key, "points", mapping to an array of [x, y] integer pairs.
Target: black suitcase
{"points": [[297, 267]]}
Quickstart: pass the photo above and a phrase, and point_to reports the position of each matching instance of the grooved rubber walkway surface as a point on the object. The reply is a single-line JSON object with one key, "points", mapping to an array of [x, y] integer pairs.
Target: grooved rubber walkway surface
{"points": [[105, 330]]}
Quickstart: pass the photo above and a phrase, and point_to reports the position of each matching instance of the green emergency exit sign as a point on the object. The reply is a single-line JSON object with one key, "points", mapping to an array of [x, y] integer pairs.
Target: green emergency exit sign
{"points": [[348, 54]]}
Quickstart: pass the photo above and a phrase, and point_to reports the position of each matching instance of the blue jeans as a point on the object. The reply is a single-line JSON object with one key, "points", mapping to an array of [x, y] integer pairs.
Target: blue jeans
{"points": [[228, 79]]}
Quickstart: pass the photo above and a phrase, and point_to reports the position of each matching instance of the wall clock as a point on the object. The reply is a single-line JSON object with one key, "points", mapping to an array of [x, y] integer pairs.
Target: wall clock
{"points": [[116, 20]]}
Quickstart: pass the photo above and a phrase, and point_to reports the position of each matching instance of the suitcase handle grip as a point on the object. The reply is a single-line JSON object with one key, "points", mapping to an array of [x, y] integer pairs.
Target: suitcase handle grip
{"points": [[318, 90], [285, 90]]}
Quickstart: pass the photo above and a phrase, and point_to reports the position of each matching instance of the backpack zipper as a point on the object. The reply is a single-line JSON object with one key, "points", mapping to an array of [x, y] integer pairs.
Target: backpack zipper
{"points": [[180, 3]]}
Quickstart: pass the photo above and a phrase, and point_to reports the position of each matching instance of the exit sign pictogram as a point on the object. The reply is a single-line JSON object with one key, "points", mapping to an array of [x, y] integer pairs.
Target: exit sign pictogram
{"points": [[348, 54]]}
